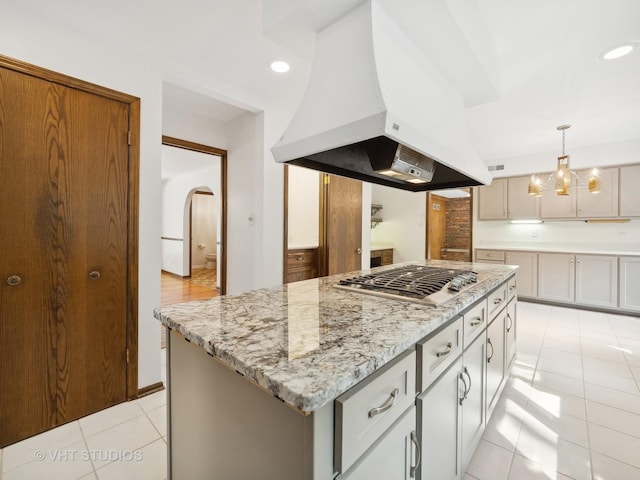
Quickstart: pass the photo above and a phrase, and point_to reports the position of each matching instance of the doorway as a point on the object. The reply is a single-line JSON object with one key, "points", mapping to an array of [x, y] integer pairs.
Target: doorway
{"points": [[449, 225], [178, 251]]}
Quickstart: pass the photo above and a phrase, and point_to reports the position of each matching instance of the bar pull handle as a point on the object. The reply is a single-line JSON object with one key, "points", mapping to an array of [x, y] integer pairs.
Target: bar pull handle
{"points": [[445, 352]]}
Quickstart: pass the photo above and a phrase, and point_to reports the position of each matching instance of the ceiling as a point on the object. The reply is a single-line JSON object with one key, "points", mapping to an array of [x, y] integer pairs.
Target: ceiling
{"points": [[541, 57]]}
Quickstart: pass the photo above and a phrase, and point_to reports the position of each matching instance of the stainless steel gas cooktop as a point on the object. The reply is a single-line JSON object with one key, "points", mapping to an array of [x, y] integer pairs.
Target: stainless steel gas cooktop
{"points": [[414, 283]]}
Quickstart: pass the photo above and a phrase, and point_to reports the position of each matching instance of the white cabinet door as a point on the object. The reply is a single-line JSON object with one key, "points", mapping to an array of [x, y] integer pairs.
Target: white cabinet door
{"points": [[629, 191], [553, 205], [492, 200], [510, 335], [630, 283], [520, 204], [393, 455], [527, 273], [597, 280], [556, 277], [603, 204], [473, 410], [495, 360], [439, 422]]}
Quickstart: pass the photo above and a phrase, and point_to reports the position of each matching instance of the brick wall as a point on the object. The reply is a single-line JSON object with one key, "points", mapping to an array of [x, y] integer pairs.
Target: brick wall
{"points": [[458, 233]]}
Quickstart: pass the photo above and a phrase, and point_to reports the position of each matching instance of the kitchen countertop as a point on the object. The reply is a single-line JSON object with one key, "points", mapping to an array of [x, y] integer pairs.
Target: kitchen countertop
{"points": [[563, 248], [307, 342]]}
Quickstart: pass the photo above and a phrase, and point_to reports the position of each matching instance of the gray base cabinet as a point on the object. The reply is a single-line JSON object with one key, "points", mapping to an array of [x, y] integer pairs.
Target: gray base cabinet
{"points": [[527, 271], [439, 424], [630, 283], [495, 360], [556, 277], [473, 399], [510, 334], [597, 280]]}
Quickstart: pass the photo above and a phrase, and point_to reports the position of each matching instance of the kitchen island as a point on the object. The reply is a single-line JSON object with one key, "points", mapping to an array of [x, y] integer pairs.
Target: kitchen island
{"points": [[260, 384]]}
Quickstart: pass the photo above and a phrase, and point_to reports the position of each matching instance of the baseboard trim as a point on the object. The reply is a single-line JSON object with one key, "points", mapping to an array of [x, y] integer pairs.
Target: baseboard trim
{"points": [[149, 389]]}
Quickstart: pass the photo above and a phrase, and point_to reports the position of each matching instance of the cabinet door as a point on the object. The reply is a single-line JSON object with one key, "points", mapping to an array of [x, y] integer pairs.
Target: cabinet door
{"points": [[603, 204], [629, 191], [495, 360], [527, 273], [393, 455], [473, 409], [439, 424], [510, 335], [553, 205], [521, 205], [556, 279], [629, 281], [492, 200], [597, 280]]}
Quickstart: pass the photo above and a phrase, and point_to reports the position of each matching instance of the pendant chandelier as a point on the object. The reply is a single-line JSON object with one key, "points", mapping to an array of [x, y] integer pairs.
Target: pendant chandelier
{"points": [[562, 176]]}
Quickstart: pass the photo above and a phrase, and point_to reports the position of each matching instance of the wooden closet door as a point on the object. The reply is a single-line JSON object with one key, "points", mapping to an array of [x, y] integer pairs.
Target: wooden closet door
{"points": [[63, 231], [28, 224], [92, 291]]}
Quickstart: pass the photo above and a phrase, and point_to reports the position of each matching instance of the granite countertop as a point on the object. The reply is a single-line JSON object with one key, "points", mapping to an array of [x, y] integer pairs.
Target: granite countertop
{"points": [[586, 249], [308, 342]]}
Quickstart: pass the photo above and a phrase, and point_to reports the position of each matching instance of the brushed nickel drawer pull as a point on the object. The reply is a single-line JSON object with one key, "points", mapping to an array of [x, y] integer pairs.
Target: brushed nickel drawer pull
{"points": [[475, 322], [14, 280], [490, 356], [445, 352], [414, 468], [510, 323], [497, 301], [386, 405]]}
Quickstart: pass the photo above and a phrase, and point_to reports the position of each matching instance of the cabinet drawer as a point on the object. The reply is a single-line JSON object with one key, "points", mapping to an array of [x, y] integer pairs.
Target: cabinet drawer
{"points": [[490, 255], [436, 353], [512, 287], [475, 320], [301, 257], [497, 300], [365, 412]]}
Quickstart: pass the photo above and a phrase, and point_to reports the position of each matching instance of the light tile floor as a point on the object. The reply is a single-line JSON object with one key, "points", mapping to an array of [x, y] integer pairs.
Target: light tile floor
{"points": [[571, 409]]}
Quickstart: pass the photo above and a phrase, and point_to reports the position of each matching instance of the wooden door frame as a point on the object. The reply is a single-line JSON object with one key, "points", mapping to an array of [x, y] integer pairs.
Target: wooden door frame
{"points": [[198, 147], [426, 224], [133, 179]]}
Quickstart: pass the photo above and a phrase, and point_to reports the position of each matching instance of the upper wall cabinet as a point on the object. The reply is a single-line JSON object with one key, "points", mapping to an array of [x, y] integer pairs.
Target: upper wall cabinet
{"points": [[603, 204], [553, 205], [492, 200], [630, 191], [521, 205]]}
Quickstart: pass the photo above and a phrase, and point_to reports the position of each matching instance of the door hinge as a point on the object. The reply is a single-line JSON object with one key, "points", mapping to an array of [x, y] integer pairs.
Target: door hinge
{"points": [[129, 138], [127, 355], [326, 179]]}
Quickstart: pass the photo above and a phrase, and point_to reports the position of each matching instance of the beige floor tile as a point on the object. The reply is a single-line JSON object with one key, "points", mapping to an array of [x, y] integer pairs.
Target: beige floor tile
{"points": [[67, 463], [525, 469], [614, 444], [610, 368], [25, 451], [559, 383], [613, 398], [606, 468], [490, 462], [570, 428], [110, 417], [615, 382], [565, 369], [153, 401], [614, 418], [159, 419], [150, 463], [122, 439]]}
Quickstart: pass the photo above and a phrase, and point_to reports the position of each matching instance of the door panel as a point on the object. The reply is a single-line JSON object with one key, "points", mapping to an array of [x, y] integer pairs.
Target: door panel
{"points": [[437, 225], [27, 217], [92, 316], [342, 224]]}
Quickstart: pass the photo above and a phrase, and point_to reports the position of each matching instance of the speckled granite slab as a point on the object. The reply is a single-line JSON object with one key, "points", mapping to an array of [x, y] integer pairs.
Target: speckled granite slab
{"points": [[308, 342]]}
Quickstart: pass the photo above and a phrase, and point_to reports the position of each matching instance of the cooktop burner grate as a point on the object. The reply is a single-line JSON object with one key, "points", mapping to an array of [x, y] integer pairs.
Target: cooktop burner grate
{"points": [[413, 281]]}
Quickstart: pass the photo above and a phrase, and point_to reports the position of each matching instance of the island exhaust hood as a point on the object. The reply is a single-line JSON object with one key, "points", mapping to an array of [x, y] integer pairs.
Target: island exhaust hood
{"points": [[377, 110]]}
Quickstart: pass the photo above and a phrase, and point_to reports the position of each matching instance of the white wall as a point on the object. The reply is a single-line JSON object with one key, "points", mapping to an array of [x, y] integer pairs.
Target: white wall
{"points": [[403, 222], [304, 208], [204, 234]]}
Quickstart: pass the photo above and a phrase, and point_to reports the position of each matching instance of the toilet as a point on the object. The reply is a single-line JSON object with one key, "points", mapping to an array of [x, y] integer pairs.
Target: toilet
{"points": [[211, 261]]}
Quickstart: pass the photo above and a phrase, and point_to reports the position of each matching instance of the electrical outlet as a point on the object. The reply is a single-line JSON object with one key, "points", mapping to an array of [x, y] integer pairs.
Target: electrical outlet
{"points": [[534, 233]]}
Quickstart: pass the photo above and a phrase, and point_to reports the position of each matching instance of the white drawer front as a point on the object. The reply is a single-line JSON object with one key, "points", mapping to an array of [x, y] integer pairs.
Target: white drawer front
{"points": [[438, 352], [475, 320], [497, 300], [490, 255], [365, 411]]}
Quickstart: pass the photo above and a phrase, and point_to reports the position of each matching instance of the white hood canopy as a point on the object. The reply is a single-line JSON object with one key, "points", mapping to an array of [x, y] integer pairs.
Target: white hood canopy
{"points": [[377, 110]]}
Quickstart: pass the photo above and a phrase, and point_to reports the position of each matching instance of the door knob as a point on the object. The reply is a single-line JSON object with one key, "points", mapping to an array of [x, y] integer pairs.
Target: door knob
{"points": [[14, 280], [358, 250], [94, 275]]}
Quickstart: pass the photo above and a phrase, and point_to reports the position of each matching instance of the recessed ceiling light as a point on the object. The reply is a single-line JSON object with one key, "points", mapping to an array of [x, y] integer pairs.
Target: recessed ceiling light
{"points": [[280, 66], [619, 51]]}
